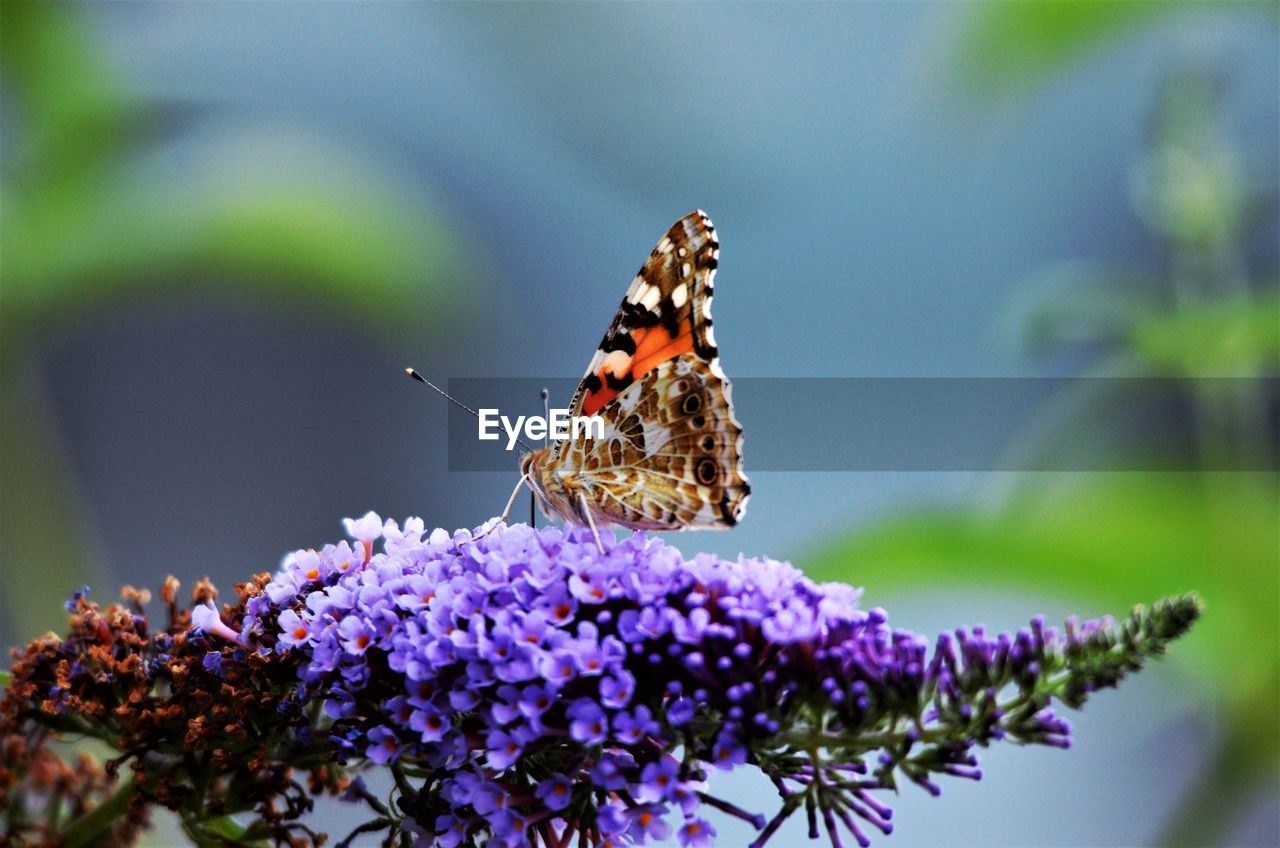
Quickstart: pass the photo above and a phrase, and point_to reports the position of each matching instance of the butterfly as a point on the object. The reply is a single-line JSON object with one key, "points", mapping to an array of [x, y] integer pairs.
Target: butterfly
{"points": [[670, 456]]}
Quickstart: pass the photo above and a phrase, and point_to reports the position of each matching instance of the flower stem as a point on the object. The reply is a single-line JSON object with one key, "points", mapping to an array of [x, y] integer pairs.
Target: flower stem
{"points": [[87, 829], [220, 831]]}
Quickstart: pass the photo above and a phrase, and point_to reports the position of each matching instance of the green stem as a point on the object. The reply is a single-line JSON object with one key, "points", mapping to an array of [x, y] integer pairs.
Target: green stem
{"points": [[93, 825], [224, 831], [817, 739], [402, 782], [42, 529]]}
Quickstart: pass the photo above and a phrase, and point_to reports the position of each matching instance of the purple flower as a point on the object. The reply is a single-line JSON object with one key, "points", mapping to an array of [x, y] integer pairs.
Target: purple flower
{"points": [[535, 700], [611, 770], [616, 689], [555, 792], [728, 752], [205, 617], [213, 662], [430, 723], [687, 795], [612, 819], [75, 598], [488, 798], [356, 634], [647, 822], [366, 529], [531, 674], [558, 666], [591, 588], [450, 831], [503, 749], [384, 745], [630, 727], [508, 829], [587, 722], [399, 540], [293, 631], [657, 779], [697, 833], [680, 712]]}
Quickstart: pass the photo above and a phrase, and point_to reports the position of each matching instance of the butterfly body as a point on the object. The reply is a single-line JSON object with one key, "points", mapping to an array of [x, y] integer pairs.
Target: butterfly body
{"points": [[670, 456]]}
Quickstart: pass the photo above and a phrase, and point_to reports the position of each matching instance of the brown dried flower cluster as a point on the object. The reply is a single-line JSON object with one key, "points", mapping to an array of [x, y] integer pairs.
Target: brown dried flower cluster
{"points": [[197, 723]]}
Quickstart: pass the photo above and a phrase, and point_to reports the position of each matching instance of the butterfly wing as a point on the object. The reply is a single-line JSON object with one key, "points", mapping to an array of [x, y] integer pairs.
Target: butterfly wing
{"points": [[666, 313], [671, 454]]}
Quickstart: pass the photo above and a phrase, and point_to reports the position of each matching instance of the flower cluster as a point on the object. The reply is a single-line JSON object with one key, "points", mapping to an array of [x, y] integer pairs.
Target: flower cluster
{"points": [[536, 688], [204, 725]]}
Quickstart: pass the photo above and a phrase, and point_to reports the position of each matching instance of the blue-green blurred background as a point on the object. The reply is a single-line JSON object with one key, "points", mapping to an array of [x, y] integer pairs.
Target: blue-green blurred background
{"points": [[227, 227]]}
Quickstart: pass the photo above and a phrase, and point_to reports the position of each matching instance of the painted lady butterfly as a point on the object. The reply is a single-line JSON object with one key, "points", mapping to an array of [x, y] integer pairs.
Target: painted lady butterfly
{"points": [[671, 454]]}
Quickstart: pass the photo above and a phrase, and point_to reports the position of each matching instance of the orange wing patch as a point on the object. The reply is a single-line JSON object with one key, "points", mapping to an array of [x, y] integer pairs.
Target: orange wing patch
{"points": [[654, 346], [665, 314]]}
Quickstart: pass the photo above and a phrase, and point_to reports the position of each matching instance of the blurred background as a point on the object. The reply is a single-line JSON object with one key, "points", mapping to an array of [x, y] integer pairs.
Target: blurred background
{"points": [[228, 227]]}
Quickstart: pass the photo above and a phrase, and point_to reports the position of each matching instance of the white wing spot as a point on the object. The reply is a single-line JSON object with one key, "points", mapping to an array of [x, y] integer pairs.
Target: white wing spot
{"points": [[628, 401], [655, 438], [685, 269], [680, 296], [651, 297], [616, 363], [682, 252]]}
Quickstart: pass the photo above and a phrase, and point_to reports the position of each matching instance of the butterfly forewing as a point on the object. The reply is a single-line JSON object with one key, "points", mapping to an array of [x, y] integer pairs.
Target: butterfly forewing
{"points": [[665, 313]]}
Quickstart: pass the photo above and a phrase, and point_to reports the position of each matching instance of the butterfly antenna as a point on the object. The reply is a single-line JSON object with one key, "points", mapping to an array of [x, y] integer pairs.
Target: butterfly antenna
{"points": [[421, 379], [546, 442], [546, 414]]}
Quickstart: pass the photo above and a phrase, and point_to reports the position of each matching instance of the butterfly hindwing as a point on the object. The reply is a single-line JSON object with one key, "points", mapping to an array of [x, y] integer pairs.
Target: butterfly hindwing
{"points": [[671, 455]]}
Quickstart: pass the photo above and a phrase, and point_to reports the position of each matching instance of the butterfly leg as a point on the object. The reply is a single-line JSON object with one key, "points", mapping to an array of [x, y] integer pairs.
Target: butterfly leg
{"points": [[506, 513], [586, 514]]}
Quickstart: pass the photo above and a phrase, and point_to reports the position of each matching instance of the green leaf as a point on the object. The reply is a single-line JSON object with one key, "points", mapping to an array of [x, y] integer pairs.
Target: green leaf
{"points": [[326, 231], [1010, 46], [1076, 303], [88, 220], [73, 114], [1239, 337]]}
